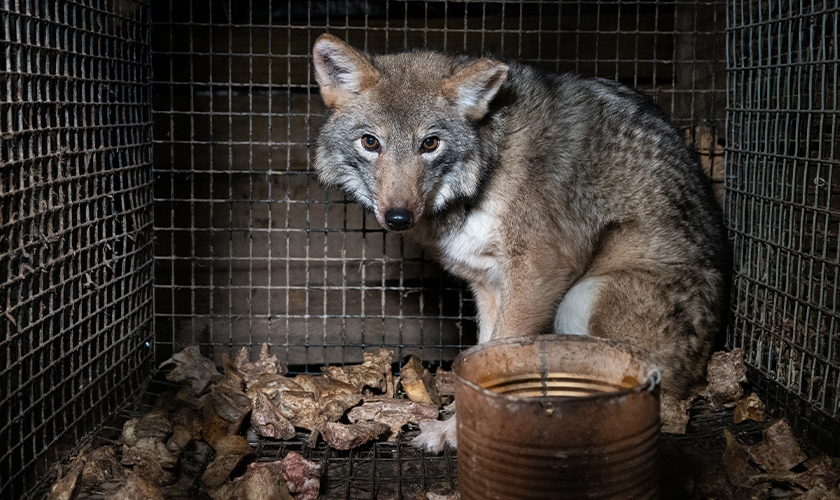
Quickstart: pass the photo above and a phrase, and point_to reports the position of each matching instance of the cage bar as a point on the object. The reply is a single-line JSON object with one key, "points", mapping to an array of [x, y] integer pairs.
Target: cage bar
{"points": [[75, 225], [782, 205]]}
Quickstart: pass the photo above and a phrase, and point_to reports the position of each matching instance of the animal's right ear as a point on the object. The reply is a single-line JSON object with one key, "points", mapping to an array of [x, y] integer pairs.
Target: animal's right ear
{"points": [[341, 70]]}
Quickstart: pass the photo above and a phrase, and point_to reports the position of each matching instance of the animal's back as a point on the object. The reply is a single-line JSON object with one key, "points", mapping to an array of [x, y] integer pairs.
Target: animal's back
{"points": [[605, 156], [593, 176]]}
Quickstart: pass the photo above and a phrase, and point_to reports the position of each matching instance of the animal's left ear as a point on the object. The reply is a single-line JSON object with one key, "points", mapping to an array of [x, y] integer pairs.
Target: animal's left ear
{"points": [[472, 88]]}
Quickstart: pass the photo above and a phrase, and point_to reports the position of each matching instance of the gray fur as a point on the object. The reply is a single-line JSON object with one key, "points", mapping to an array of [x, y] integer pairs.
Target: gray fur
{"points": [[551, 180]]}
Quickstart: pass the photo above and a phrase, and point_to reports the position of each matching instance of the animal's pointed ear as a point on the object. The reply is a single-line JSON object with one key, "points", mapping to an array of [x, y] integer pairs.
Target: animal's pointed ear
{"points": [[472, 88], [340, 70]]}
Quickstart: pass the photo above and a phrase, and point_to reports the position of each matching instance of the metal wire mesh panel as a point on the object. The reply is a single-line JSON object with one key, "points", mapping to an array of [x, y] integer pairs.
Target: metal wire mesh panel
{"points": [[783, 205], [75, 225], [251, 248]]}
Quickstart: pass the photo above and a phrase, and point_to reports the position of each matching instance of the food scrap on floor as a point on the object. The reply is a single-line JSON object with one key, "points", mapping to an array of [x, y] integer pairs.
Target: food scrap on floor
{"points": [[716, 443]]}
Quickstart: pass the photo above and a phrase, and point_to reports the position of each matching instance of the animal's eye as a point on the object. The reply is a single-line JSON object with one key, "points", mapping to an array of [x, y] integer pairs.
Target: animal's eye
{"points": [[430, 144], [370, 143]]}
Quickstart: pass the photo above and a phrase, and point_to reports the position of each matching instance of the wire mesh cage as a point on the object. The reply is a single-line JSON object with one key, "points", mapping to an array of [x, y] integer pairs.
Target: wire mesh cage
{"points": [[75, 225], [250, 248], [783, 144], [245, 246]]}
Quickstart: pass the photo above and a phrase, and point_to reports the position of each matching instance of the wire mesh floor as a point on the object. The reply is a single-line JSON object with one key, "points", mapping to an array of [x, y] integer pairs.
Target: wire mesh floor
{"points": [[692, 465], [376, 470]]}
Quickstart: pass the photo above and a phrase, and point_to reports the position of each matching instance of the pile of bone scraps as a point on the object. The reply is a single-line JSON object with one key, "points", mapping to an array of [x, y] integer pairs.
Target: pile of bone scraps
{"points": [[775, 467], [346, 406]]}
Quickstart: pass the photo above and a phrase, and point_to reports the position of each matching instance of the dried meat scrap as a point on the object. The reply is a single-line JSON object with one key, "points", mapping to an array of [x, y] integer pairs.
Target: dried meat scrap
{"points": [[736, 462], [65, 487], [303, 410], [820, 470], [371, 373], [305, 402], [232, 379], [135, 488], [269, 384], [302, 476], [778, 450], [674, 414], [393, 412], [231, 405], [223, 413], [192, 367], [725, 372], [151, 460], [102, 466], [344, 437], [445, 382], [266, 365], [418, 383], [230, 451], [179, 439], [323, 386], [187, 418], [267, 419], [155, 424], [257, 483], [749, 408]]}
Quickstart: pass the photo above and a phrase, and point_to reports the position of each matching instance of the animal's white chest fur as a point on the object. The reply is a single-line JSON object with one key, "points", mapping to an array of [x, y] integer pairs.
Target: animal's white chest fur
{"points": [[472, 252]]}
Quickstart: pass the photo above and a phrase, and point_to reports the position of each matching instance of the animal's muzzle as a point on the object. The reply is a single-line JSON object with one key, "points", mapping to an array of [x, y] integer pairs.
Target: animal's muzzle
{"points": [[399, 219]]}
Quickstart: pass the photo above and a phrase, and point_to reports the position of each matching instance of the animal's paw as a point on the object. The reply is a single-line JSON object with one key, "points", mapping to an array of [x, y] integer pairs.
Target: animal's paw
{"points": [[435, 434]]}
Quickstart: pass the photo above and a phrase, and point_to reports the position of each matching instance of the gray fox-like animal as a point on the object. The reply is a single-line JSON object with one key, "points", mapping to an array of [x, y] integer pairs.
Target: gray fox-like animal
{"points": [[567, 204]]}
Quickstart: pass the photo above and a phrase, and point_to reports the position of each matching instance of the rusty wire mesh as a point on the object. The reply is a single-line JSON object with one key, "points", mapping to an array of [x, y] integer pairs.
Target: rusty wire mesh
{"points": [[249, 248], [783, 205], [75, 225]]}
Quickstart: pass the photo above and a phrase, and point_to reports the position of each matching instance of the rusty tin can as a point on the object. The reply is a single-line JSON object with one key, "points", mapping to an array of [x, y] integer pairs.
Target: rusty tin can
{"points": [[557, 416]]}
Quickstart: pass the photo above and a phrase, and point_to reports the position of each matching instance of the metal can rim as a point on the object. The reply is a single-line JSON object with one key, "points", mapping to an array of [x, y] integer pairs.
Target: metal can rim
{"points": [[649, 383]]}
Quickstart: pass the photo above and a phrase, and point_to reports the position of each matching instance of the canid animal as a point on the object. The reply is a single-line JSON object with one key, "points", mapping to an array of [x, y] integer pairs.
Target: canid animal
{"points": [[567, 204]]}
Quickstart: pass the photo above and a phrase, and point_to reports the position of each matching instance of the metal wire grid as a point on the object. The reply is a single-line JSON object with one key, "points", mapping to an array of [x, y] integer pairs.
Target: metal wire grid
{"points": [[251, 249], [75, 225], [398, 470], [783, 205], [249, 246], [376, 470]]}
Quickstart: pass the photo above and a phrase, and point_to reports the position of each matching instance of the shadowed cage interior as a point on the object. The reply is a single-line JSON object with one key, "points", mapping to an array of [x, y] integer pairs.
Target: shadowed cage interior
{"points": [[156, 191]]}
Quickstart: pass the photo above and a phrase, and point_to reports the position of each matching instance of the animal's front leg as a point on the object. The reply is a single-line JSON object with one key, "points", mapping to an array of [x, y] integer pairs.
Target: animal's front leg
{"points": [[529, 300], [487, 299], [524, 306], [435, 434]]}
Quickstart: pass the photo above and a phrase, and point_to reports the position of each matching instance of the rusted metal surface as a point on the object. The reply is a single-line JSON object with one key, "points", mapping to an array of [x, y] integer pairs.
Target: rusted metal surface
{"points": [[76, 217], [557, 416]]}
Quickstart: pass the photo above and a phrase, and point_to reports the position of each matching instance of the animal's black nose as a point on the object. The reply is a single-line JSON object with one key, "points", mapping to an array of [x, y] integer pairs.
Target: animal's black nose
{"points": [[399, 219]]}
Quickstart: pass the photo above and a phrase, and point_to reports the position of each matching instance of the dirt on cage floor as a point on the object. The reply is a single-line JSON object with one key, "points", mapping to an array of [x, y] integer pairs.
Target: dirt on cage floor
{"points": [[714, 459]]}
